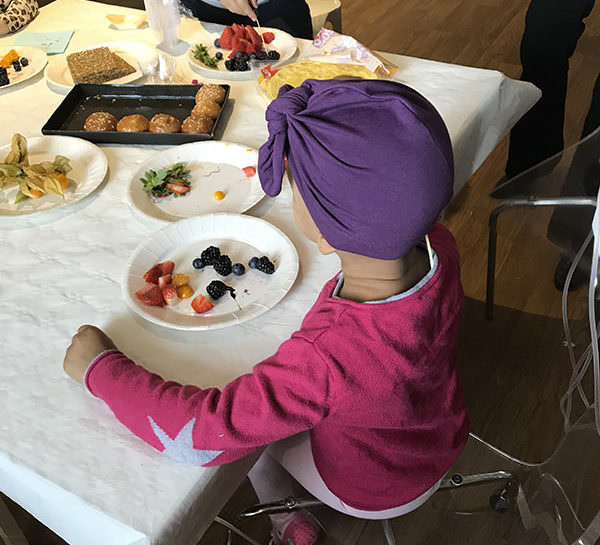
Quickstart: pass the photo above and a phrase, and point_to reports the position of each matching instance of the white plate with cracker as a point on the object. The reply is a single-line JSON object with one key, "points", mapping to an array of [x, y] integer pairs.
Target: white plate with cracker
{"points": [[238, 236], [134, 53], [37, 60], [283, 43], [214, 166]]}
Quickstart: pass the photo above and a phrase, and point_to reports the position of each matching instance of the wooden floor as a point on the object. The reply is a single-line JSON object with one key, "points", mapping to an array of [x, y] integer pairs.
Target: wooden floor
{"points": [[514, 369]]}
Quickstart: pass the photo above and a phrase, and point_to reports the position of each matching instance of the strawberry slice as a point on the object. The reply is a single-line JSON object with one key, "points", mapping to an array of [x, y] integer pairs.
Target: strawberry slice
{"points": [[268, 37], [166, 267], [226, 37], [254, 38], [152, 275], [201, 304], [249, 171], [164, 281], [178, 188], [150, 295], [169, 294]]}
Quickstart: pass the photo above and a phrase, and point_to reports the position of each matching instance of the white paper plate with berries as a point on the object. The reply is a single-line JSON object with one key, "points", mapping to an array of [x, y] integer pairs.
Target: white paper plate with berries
{"points": [[210, 272], [31, 61], [214, 48], [220, 177]]}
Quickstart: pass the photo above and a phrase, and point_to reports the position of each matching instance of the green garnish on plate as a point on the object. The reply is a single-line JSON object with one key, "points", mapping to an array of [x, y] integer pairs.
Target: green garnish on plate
{"points": [[201, 53], [174, 180]]}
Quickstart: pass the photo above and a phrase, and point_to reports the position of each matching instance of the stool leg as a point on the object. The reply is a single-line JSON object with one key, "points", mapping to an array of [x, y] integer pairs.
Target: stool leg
{"points": [[390, 538]]}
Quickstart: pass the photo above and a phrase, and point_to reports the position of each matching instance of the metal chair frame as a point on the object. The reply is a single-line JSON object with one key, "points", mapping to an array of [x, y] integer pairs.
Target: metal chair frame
{"points": [[508, 204], [499, 500]]}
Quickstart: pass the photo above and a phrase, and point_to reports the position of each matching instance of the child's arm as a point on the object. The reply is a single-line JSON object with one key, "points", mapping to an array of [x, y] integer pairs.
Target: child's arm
{"points": [[287, 393], [15, 14]]}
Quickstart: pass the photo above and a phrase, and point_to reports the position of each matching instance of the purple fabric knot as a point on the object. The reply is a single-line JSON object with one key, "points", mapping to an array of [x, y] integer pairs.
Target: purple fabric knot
{"points": [[372, 160]]}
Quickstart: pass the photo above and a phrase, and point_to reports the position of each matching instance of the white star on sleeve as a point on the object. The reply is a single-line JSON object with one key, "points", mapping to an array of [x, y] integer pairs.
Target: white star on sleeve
{"points": [[181, 448]]}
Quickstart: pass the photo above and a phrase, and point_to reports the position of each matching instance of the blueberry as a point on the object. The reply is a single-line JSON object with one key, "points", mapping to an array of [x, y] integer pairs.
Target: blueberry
{"points": [[218, 55], [252, 56], [16, 66], [253, 263], [238, 269], [216, 42], [198, 264], [24, 61], [239, 55]]}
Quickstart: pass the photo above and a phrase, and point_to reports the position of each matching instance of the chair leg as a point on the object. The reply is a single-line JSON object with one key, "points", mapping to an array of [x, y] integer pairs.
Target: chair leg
{"points": [[388, 531]]}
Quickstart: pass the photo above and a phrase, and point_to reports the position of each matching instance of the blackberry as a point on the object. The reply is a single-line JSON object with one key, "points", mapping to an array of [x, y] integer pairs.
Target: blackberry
{"points": [[239, 55], [264, 265], [24, 61], [229, 65], [210, 255], [4, 79], [261, 55], [218, 55], [16, 66], [198, 264], [238, 269], [253, 262], [222, 265], [241, 64], [3, 71], [273, 55], [217, 43], [216, 289], [252, 56]]}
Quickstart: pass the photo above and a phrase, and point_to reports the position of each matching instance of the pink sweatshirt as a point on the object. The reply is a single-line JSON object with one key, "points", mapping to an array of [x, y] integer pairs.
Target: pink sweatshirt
{"points": [[375, 383]]}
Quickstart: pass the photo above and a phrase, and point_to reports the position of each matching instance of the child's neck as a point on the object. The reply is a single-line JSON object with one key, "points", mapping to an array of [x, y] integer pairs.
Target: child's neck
{"points": [[368, 279]]}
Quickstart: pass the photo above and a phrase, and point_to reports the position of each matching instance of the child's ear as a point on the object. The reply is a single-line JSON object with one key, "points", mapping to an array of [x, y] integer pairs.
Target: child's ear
{"points": [[324, 247]]}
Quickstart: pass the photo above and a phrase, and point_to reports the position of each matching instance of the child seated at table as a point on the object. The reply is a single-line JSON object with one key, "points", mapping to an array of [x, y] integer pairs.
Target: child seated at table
{"points": [[15, 14], [363, 401]]}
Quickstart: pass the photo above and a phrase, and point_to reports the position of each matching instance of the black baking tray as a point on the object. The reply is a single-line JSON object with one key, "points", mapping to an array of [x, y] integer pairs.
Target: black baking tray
{"points": [[120, 100]]}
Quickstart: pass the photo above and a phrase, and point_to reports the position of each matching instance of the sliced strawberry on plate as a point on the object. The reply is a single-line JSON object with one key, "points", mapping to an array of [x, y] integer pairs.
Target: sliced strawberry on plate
{"points": [[169, 294], [268, 37], [164, 281], [226, 37], [254, 38], [150, 295], [178, 188], [201, 304], [152, 275], [249, 171], [166, 267], [244, 46]]}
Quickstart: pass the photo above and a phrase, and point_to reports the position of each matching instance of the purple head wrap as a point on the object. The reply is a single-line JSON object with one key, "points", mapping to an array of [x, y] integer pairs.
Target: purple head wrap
{"points": [[371, 159]]}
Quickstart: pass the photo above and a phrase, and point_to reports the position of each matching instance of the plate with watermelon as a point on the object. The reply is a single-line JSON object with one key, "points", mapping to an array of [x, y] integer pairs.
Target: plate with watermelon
{"points": [[250, 48]]}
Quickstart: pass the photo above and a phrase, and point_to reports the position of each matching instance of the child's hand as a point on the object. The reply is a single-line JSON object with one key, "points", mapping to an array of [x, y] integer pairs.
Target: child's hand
{"points": [[87, 343]]}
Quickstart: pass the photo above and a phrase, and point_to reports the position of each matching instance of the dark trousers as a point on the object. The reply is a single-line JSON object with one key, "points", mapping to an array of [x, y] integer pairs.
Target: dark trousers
{"points": [[291, 16], [552, 29]]}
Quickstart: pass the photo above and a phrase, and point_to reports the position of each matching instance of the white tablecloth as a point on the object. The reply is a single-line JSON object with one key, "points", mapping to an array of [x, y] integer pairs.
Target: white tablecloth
{"points": [[63, 456]]}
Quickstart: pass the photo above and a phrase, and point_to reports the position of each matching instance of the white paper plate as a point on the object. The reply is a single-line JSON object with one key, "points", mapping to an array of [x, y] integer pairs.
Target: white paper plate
{"points": [[215, 166], [240, 237], [89, 168], [135, 53], [37, 60], [284, 43]]}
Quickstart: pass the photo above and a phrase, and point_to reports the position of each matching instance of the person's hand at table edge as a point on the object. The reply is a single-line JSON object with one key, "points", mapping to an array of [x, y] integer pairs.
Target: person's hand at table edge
{"points": [[87, 344], [242, 7]]}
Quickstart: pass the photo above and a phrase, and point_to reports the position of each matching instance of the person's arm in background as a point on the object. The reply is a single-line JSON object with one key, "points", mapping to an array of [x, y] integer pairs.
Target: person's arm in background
{"points": [[241, 7], [15, 14]]}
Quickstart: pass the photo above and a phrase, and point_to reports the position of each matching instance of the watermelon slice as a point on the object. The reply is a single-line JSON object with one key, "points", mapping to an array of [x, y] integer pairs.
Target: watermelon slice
{"points": [[244, 46], [254, 38]]}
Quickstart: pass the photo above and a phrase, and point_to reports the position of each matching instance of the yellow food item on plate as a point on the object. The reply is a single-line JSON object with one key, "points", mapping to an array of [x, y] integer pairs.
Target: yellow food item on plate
{"points": [[7, 60], [295, 74]]}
